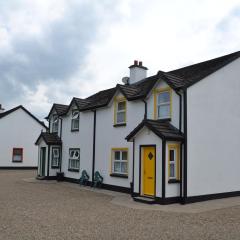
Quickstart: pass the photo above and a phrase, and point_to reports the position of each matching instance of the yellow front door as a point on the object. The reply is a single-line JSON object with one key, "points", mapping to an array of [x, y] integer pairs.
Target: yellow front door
{"points": [[149, 170]]}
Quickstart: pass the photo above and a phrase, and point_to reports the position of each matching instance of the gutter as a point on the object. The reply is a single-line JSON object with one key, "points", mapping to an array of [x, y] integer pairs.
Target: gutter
{"points": [[60, 163], [94, 144], [145, 113], [180, 111], [185, 149]]}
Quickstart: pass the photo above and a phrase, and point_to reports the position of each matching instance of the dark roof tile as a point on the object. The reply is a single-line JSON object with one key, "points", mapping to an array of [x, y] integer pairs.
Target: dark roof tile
{"points": [[177, 79], [194, 73], [49, 138], [163, 129]]}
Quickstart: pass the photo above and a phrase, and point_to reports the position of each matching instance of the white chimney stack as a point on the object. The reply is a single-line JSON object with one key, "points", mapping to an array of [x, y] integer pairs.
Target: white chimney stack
{"points": [[1, 109], [137, 72]]}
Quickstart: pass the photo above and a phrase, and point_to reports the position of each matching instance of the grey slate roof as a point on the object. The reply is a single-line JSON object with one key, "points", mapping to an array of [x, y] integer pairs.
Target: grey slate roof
{"points": [[177, 79], [49, 138], [162, 128], [25, 110], [61, 109], [196, 72]]}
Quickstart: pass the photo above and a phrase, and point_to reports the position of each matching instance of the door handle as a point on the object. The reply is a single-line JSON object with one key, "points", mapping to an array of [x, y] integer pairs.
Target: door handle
{"points": [[150, 177]]}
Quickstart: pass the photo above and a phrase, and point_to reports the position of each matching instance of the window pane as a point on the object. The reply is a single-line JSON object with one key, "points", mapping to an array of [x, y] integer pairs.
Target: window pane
{"points": [[172, 170], [56, 152], [17, 158], [123, 167], [75, 123], [164, 111], [117, 167], [121, 106], [163, 97], [117, 155], [55, 127], [171, 155], [75, 115], [77, 154], [55, 118], [124, 155], [71, 153], [17, 151], [120, 117]]}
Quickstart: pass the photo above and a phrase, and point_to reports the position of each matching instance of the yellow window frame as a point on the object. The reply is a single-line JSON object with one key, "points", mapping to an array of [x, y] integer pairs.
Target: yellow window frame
{"points": [[156, 92], [111, 160], [116, 101], [175, 147]]}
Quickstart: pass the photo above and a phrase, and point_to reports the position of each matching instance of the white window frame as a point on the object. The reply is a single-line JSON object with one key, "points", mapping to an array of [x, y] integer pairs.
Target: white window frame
{"points": [[55, 159], [119, 160], [75, 119], [121, 111], [55, 124], [168, 103], [74, 159]]}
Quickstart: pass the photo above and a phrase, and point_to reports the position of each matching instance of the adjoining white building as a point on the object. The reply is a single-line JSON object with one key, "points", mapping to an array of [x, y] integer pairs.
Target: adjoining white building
{"points": [[18, 132], [171, 137]]}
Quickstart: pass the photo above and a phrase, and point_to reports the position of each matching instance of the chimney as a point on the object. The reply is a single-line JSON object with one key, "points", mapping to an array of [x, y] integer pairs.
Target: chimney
{"points": [[137, 72], [1, 109]]}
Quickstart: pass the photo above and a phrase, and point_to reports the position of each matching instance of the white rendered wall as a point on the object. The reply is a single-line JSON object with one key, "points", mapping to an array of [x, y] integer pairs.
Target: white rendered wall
{"points": [[175, 104], [213, 132], [147, 137], [82, 139], [19, 130], [108, 137]]}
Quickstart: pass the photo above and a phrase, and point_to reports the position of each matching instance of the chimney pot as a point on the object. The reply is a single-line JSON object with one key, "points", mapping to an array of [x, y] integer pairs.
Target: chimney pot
{"points": [[135, 62], [140, 63], [1, 109]]}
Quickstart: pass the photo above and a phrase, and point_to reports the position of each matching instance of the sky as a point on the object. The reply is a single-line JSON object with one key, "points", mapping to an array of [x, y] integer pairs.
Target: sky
{"points": [[54, 50]]}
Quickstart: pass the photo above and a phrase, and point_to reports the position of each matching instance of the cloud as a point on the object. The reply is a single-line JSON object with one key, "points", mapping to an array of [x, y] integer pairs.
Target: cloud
{"points": [[53, 50]]}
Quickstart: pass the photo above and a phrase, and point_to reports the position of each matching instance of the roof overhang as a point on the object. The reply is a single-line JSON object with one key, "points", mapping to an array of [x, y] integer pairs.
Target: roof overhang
{"points": [[170, 133]]}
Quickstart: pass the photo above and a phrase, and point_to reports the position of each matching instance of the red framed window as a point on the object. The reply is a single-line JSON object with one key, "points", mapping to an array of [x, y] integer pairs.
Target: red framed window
{"points": [[17, 155]]}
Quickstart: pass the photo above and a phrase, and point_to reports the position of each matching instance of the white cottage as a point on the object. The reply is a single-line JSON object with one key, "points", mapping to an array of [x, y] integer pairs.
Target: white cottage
{"points": [[171, 137], [18, 132]]}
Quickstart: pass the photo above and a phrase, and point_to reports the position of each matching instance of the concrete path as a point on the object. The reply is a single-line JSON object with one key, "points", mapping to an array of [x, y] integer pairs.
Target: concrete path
{"points": [[125, 200]]}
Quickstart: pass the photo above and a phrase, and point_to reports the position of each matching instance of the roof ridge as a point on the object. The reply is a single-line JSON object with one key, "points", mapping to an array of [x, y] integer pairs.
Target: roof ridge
{"points": [[25, 110], [206, 61]]}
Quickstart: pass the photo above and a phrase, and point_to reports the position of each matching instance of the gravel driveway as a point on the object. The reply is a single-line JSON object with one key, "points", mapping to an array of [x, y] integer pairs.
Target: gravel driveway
{"points": [[30, 210]]}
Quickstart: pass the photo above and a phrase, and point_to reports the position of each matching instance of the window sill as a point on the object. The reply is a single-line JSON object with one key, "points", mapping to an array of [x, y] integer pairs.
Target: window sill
{"points": [[73, 170], [173, 181], [17, 161], [118, 175], [74, 130], [120, 125], [54, 167]]}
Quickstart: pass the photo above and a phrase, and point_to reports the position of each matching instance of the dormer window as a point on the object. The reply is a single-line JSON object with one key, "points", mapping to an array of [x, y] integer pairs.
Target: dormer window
{"points": [[75, 120], [163, 104], [120, 112], [55, 124]]}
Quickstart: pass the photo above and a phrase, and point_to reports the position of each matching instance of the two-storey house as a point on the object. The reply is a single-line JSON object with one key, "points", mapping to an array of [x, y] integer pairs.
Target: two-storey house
{"points": [[171, 137]]}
